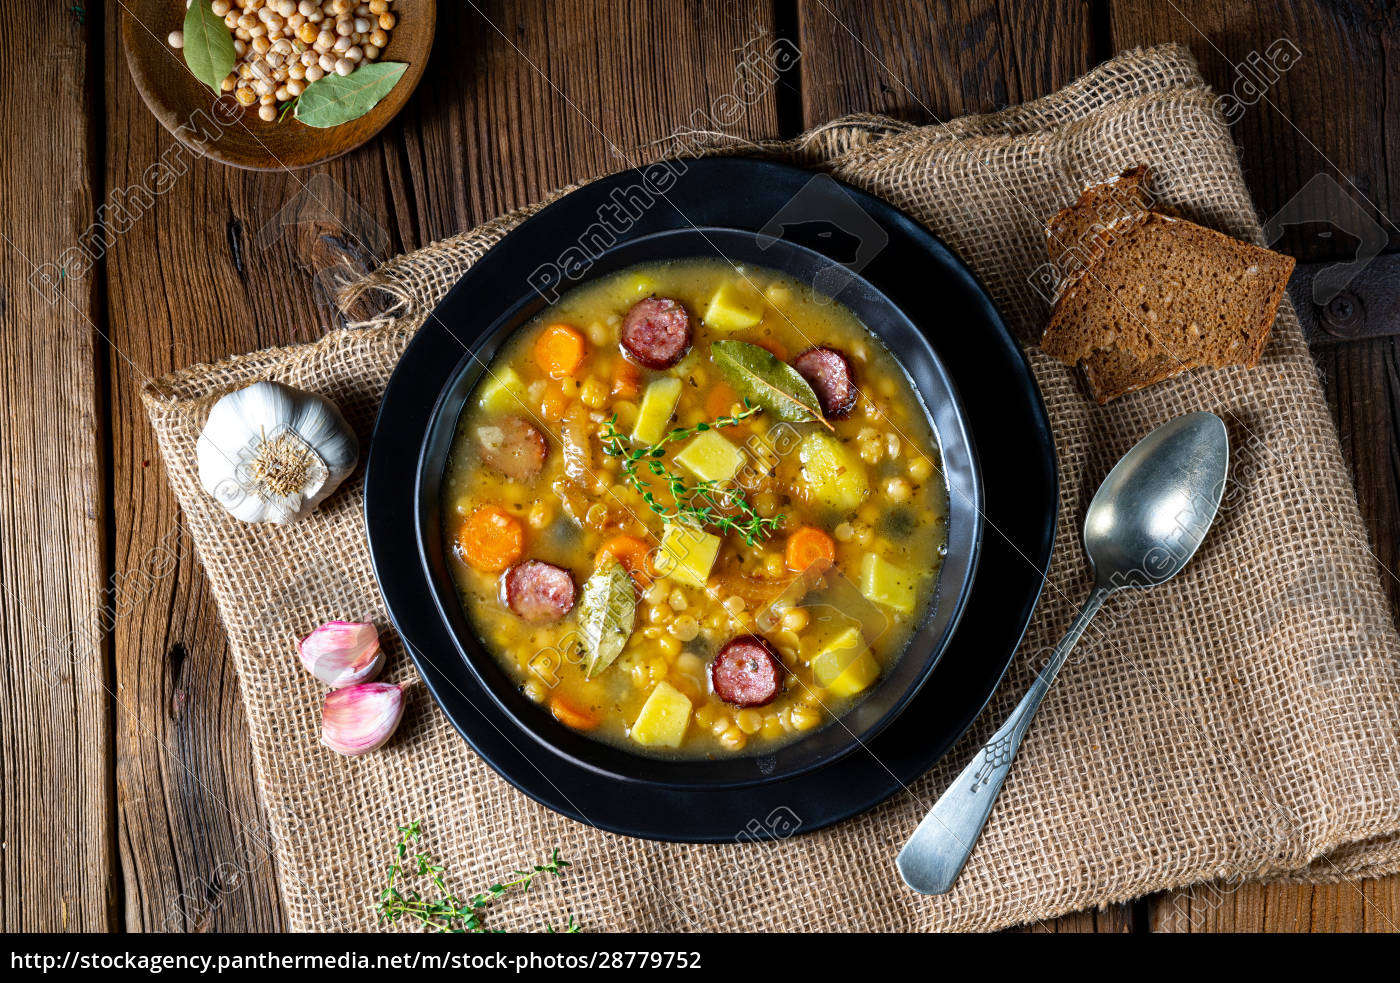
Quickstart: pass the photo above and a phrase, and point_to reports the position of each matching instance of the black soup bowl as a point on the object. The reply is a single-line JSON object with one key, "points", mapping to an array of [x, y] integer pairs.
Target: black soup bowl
{"points": [[909, 672]]}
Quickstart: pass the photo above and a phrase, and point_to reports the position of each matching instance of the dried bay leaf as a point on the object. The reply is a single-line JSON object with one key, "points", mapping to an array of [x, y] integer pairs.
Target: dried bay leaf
{"points": [[607, 614], [209, 53], [335, 99], [758, 376]]}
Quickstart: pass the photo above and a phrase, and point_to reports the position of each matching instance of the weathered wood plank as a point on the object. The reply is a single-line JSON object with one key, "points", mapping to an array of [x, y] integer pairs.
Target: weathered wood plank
{"points": [[542, 95], [55, 730], [1365, 906], [1335, 111], [218, 262], [1119, 919], [933, 62]]}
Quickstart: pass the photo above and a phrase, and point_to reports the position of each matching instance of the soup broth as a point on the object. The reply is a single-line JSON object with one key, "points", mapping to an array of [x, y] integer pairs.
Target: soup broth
{"points": [[695, 509]]}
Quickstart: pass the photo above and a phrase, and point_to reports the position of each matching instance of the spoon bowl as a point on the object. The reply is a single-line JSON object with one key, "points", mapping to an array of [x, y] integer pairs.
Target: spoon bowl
{"points": [[1153, 510], [1145, 522]]}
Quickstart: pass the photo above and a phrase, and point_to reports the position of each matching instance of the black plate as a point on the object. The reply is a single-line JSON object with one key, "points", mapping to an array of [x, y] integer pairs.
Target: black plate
{"points": [[926, 375], [1003, 409]]}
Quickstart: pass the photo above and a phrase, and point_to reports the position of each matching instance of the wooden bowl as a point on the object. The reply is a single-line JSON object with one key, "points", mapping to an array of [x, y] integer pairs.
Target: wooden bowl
{"points": [[222, 129]]}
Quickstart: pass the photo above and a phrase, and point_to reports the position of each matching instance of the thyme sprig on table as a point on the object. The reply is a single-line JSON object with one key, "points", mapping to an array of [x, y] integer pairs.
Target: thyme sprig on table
{"points": [[705, 503], [450, 913]]}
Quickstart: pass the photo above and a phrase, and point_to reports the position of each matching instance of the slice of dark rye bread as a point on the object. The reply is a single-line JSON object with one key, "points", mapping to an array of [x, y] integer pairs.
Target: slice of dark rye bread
{"points": [[1077, 234], [1167, 286], [1074, 238], [1166, 295]]}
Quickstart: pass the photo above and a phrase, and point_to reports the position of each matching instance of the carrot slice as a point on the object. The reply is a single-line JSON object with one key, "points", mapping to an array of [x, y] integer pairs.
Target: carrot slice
{"points": [[559, 350], [776, 349], [809, 547], [720, 399], [491, 539], [571, 716], [626, 379], [632, 553]]}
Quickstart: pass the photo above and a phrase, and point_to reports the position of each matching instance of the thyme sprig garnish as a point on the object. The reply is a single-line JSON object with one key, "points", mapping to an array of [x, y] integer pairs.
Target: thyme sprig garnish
{"points": [[449, 913], [705, 503]]}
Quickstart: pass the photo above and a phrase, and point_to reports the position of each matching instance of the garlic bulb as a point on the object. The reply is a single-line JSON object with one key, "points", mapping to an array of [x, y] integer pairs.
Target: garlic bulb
{"points": [[361, 718], [271, 453], [342, 653]]}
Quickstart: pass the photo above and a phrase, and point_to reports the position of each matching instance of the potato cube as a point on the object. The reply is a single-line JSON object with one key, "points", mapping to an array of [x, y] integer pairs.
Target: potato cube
{"points": [[845, 666], [834, 476], [663, 718], [733, 308], [711, 457], [885, 583], [687, 555], [658, 403], [499, 390], [862, 671], [840, 652]]}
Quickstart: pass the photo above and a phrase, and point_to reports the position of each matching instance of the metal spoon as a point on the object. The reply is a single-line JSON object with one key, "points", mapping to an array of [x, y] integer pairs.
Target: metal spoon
{"points": [[1146, 520]]}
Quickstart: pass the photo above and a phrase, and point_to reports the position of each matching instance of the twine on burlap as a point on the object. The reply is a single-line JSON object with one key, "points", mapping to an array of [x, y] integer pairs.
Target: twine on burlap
{"points": [[1239, 723]]}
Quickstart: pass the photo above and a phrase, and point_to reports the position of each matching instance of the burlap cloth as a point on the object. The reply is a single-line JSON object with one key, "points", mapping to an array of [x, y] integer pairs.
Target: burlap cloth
{"points": [[1241, 722]]}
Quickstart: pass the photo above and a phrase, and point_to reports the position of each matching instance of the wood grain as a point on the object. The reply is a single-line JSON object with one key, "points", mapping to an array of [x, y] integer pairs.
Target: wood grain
{"points": [[467, 153], [1335, 112], [55, 724], [1363, 906], [220, 261], [933, 62]]}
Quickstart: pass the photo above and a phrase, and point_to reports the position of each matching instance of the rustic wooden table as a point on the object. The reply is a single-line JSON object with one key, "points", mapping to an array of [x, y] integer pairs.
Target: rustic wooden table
{"points": [[127, 780]]}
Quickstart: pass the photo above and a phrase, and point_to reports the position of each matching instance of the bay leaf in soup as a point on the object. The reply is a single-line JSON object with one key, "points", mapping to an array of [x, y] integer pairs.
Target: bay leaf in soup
{"points": [[607, 614], [209, 53], [335, 99], [757, 375]]}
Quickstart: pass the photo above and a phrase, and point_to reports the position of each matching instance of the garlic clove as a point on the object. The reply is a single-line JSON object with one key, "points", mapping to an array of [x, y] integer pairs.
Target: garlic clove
{"points": [[361, 718], [342, 653]]}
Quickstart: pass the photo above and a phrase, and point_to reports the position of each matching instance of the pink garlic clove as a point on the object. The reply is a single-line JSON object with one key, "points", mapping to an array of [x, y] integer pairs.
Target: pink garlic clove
{"points": [[342, 653], [361, 718]]}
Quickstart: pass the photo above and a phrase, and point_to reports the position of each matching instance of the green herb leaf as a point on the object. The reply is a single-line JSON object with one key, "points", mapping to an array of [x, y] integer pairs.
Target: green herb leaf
{"points": [[449, 913], [758, 376], [607, 614], [705, 504], [335, 99], [208, 45]]}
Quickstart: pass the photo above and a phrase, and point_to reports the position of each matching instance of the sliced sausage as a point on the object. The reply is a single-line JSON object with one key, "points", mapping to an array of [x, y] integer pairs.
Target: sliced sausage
{"points": [[829, 374], [512, 445], [656, 332], [746, 673], [538, 591]]}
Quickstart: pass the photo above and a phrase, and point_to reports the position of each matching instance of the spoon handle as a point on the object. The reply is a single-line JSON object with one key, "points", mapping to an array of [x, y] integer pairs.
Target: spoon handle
{"points": [[934, 856]]}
